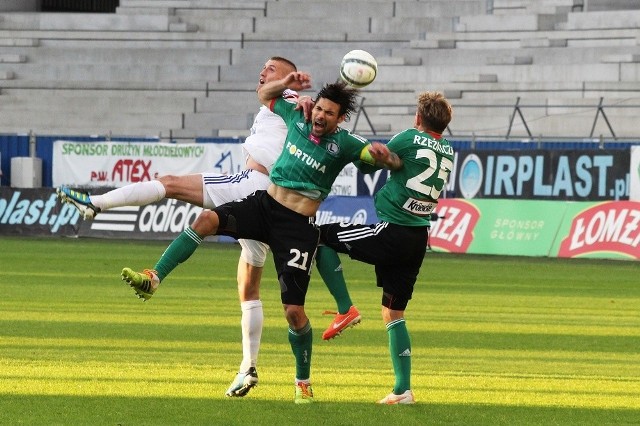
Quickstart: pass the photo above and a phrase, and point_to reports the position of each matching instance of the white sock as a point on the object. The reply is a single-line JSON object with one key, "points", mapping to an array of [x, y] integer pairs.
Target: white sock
{"points": [[252, 319], [135, 194]]}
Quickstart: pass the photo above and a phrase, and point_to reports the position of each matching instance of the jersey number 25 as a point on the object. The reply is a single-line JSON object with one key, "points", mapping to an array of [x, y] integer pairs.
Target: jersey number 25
{"points": [[421, 182]]}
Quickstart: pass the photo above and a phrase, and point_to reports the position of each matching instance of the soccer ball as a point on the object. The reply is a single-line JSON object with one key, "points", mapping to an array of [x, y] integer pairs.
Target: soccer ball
{"points": [[358, 68]]}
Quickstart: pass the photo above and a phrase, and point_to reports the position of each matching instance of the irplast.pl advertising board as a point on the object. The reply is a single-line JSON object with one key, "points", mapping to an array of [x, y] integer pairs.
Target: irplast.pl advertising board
{"points": [[568, 175]]}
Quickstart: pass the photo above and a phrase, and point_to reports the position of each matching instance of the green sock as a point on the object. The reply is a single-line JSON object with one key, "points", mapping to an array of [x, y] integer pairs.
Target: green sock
{"points": [[178, 251], [330, 269], [301, 344], [400, 351]]}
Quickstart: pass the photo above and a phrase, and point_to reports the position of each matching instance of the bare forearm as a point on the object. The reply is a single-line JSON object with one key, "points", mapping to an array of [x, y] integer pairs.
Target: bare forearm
{"points": [[392, 162], [294, 81], [384, 157], [271, 91]]}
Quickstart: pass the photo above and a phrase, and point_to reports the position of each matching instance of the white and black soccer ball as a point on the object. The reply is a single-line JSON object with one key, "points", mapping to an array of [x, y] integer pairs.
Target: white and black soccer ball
{"points": [[358, 68]]}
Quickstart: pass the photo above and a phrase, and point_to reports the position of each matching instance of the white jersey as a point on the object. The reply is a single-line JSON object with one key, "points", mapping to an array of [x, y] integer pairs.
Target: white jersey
{"points": [[268, 133], [264, 146]]}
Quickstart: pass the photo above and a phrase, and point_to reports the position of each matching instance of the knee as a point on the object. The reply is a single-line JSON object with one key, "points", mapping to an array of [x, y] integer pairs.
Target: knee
{"points": [[296, 316], [386, 315], [389, 315], [170, 183], [206, 223]]}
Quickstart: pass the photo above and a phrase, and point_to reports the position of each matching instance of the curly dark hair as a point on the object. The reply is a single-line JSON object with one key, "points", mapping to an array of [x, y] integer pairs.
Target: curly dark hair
{"points": [[342, 94]]}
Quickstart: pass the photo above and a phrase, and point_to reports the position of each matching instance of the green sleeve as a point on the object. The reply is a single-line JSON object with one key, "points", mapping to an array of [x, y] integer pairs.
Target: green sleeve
{"points": [[284, 108], [365, 167]]}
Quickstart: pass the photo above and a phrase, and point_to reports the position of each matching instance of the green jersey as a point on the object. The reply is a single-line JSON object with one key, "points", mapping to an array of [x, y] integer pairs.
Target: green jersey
{"points": [[411, 193], [309, 166]]}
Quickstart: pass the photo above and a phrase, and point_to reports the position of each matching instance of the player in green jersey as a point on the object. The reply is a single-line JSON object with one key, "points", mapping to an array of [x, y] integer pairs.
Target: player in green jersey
{"points": [[397, 244], [283, 216]]}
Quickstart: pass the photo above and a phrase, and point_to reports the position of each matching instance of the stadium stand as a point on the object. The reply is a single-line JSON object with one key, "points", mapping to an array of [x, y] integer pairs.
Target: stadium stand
{"points": [[182, 69]]}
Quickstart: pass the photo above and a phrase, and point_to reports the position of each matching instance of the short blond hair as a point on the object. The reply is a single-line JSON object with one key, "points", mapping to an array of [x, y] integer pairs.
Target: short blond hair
{"points": [[435, 111]]}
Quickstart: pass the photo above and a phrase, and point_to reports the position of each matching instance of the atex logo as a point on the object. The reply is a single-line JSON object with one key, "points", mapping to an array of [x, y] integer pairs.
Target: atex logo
{"points": [[612, 227]]}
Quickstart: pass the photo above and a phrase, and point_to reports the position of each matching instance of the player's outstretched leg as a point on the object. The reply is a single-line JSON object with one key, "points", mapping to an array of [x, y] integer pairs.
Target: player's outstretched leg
{"points": [[243, 383], [330, 268], [144, 283], [81, 200], [341, 322]]}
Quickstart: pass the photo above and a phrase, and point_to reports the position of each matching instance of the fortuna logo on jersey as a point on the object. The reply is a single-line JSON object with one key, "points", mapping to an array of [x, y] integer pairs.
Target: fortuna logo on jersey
{"points": [[306, 158], [419, 208]]}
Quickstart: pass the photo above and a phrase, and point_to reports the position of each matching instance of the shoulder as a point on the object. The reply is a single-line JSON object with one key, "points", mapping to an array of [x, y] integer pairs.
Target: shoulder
{"points": [[405, 134], [267, 117], [286, 108], [283, 104], [402, 140], [345, 135]]}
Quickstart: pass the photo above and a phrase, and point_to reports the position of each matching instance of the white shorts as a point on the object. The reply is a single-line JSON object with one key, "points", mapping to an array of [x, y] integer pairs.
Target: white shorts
{"points": [[220, 189]]}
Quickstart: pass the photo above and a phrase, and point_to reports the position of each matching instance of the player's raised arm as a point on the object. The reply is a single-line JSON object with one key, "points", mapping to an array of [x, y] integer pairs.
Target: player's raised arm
{"points": [[294, 80], [384, 157]]}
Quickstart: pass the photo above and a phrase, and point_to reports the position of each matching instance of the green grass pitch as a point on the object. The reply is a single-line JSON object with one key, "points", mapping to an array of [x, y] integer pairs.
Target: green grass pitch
{"points": [[496, 341]]}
